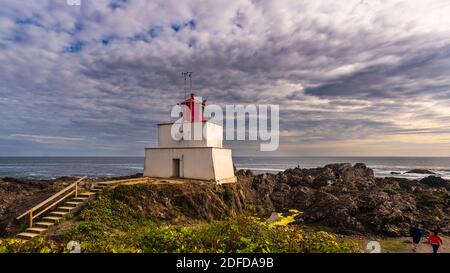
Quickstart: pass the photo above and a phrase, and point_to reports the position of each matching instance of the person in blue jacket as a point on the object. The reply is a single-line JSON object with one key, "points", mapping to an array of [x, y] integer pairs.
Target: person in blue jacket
{"points": [[416, 234]]}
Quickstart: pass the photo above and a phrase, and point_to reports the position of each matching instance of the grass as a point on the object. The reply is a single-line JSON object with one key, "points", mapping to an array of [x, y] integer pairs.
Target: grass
{"points": [[393, 245]]}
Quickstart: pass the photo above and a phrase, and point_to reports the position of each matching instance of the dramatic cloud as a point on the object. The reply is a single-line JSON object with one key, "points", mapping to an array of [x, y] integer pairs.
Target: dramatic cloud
{"points": [[355, 77]]}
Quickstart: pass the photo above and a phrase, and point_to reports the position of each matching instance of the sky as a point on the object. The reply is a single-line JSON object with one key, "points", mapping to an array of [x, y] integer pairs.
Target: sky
{"points": [[352, 78]]}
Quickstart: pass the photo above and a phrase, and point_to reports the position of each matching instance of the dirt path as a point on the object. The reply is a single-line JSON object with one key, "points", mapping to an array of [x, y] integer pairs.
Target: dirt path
{"points": [[399, 245], [423, 247]]}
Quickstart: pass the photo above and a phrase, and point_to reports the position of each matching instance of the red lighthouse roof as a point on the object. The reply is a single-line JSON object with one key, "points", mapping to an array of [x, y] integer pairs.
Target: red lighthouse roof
{"points": [[194, 108]]}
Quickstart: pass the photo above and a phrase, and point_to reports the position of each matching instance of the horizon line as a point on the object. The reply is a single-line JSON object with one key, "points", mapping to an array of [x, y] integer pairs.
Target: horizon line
{"points": [[299, 156]]}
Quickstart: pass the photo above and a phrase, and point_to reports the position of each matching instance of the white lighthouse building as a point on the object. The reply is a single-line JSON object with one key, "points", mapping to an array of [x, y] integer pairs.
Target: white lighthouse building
{"points": [[202, 158]]}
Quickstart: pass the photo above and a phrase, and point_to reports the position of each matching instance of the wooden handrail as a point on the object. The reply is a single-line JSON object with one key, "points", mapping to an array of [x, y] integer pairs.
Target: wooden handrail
{"points": [[55, 203], [51, 198]]}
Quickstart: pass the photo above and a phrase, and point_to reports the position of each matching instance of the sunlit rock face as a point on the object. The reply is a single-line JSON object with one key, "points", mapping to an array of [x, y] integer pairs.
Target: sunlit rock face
{"points": [[350, 200]]}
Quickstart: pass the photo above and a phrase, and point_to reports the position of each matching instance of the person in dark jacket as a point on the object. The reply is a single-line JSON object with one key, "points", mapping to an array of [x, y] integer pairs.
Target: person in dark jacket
{"points": [[416, 234]]}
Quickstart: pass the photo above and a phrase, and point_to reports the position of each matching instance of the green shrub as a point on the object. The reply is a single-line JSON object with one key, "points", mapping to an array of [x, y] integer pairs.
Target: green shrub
{"points": [[227, 195], [324, 242], [234, 235], [110, 212], [35, 245]]}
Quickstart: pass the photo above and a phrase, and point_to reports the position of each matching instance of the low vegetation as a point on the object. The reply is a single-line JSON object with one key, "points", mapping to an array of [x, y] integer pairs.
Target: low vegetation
{"points": [[392, 245], [110, 225], [37, 245]]}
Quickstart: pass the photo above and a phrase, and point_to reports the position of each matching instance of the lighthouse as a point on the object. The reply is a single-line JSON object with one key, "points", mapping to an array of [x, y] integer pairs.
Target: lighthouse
{"points": [[189, 157]]}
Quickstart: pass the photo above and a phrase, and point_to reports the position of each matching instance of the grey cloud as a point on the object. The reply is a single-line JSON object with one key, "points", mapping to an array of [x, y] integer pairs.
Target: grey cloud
{"points": [[339, 70]]}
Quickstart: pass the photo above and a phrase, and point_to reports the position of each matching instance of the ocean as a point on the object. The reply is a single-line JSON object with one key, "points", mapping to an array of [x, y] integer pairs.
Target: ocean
{"points": [[52, 167]]}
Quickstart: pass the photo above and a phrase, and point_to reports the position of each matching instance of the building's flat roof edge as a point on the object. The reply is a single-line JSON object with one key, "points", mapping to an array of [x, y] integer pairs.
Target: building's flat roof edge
{"points": [[170, 123], [165, 123]]}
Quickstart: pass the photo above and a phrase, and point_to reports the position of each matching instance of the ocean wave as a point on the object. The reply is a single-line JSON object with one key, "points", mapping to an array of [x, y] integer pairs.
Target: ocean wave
{"points": [[261, 169], [135, 168], [262, 164]]}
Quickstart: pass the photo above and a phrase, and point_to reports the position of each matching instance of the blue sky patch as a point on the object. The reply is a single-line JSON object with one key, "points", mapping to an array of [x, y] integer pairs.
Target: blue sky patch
{"points": [[155, 31], [191, 24], [176, 27], [192, 43], [28, 21], [75, 47], [140, 37], [117, 4], [106, 41]]}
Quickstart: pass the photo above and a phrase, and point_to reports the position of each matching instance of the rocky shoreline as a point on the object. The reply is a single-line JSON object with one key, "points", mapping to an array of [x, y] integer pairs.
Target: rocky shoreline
{"points": [[344, 198], [351, 200]]}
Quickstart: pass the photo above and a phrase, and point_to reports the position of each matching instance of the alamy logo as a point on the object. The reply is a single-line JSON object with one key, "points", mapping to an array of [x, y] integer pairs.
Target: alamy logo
{"points": [[262, 121], [373, 247], [73, 247]]}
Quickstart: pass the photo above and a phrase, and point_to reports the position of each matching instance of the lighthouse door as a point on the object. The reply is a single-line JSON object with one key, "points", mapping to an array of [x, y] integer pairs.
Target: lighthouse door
{"points": [[176, 167]]}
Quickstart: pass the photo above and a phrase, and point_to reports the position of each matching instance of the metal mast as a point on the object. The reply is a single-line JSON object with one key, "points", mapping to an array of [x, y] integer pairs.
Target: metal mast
{"points": [[190, 82], [186, 75]]}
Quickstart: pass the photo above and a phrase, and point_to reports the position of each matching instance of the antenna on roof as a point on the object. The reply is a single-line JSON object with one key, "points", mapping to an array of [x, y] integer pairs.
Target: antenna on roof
{"points": [[190, 82], [186, 75]]}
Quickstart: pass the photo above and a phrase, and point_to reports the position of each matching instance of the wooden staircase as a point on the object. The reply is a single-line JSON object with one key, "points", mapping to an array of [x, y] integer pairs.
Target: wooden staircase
{"points": [[70, 200]]}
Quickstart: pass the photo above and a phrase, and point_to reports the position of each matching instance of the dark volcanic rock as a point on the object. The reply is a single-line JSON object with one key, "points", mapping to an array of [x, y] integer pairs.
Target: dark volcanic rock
{"points": [[182, 202], [435, 181], [420, 171], [244, 173], [350, 200]]}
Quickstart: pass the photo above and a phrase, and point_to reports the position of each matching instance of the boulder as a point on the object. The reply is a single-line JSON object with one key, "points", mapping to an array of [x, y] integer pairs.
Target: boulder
{"points": [[420, 171], [435, 181]]}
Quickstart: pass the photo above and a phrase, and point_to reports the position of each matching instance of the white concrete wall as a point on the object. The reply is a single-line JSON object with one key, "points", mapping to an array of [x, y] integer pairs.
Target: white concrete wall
{"points": [[196, 163], [214, 136], [223, 163]]}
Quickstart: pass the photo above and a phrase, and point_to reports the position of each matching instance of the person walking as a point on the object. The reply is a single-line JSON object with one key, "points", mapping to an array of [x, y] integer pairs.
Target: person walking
{"points": [[416, 234], [435, 241]]}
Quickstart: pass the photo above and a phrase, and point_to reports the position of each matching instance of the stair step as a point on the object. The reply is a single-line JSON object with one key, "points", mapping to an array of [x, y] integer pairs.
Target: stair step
{"points": [[52, 218], [27, 235], [66, 209], [43, 224], [72, 203], [59, 213], [36, 230], [86, 193], [79, 199]]}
